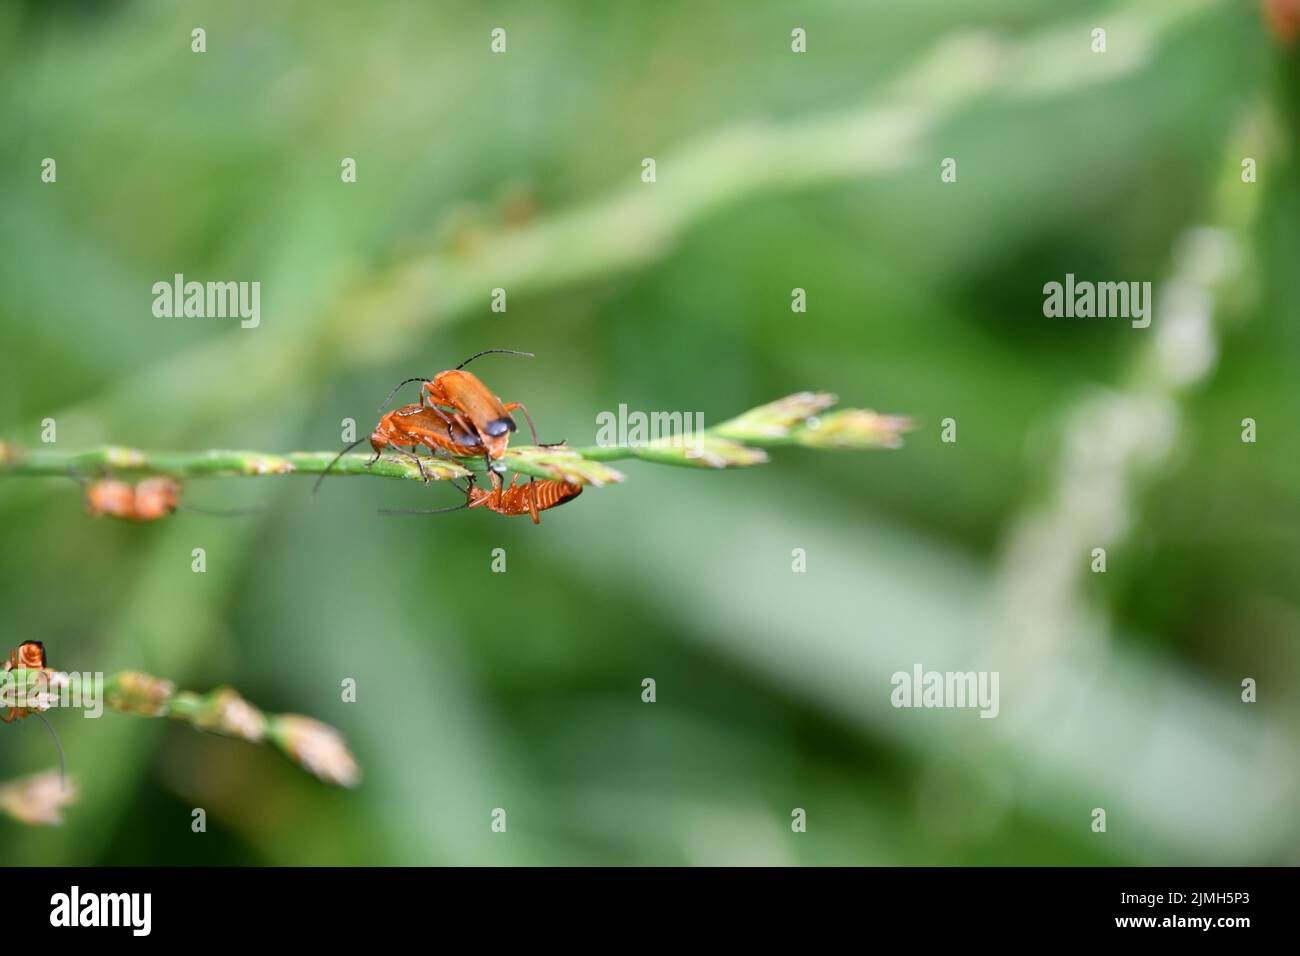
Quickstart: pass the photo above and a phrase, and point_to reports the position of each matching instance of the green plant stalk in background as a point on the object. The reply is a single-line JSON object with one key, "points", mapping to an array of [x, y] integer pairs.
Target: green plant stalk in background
{"points": [[739, 442], [316, 747]]}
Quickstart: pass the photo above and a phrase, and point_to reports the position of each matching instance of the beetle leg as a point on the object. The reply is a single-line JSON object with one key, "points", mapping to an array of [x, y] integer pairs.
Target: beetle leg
{"points": [[532, 496], [483, 501], [420, 465], [495, 480], [416, 458], [533, 428]]}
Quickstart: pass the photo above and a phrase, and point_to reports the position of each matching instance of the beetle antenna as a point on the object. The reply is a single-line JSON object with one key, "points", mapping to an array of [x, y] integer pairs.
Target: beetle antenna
{"points": [[58, 745], [316, 487], [390, 513], [85, 480], [435, 511], [398, 388], [491, 351], [224, 512]]}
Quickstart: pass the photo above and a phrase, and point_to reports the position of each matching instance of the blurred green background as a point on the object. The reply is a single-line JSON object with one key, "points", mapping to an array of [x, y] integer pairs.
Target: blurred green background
{"points": [[776, 170]]}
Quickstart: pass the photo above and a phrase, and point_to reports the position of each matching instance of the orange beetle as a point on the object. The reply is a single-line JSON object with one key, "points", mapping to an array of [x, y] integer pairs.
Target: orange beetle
{"points": [[527, 499], [464, 398], [414, 426], [29, 655], [150, 500]]}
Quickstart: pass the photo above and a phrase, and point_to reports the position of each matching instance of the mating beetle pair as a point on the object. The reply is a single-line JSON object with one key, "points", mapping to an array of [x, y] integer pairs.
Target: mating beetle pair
{"points": [[457, 415]]}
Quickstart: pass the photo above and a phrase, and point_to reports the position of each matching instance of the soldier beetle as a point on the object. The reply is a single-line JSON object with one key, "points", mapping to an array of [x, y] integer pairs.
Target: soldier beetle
{"points": [[30, 656], [469, 404], [527, 499], [150, 500], [414, 426]]}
